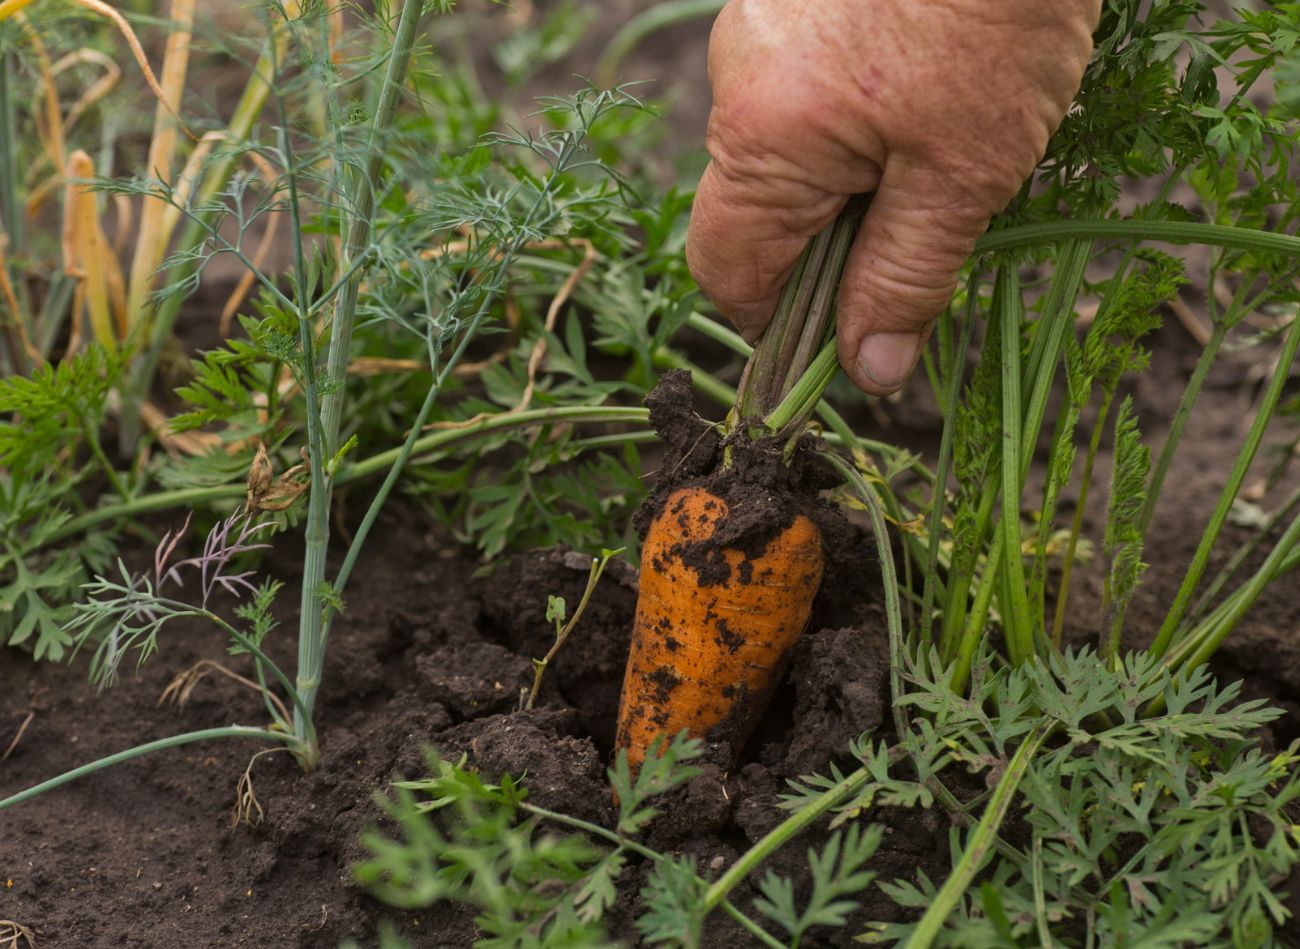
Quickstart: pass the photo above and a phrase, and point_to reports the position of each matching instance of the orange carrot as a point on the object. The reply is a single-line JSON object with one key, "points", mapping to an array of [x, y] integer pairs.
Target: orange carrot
{"points": [[713, 627]]}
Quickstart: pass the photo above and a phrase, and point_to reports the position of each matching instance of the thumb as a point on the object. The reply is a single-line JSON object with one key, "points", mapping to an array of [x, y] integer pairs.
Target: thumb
{"points": [[901, 272]]}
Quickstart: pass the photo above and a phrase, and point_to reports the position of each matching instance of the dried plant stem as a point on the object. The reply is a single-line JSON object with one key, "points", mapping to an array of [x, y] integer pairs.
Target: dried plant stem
{"points": [[151, 242]]}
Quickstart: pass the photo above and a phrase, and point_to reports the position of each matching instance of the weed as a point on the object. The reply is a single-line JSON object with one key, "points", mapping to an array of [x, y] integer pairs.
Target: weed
{"points": [[557, 612]]}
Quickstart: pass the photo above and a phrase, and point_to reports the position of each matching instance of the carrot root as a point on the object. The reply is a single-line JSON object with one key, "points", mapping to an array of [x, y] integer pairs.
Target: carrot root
{"points": [[714, 626]]}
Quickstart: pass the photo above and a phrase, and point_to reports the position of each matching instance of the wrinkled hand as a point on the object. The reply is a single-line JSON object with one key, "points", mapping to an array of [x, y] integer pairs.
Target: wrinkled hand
{"points": [[941, 107]]}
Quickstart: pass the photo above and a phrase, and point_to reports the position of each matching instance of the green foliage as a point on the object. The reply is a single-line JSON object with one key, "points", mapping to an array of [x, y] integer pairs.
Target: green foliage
{"points": [[1123, 540], [467, 840], [257, 616], [49, 454], [837, 873], [1151, 814]]}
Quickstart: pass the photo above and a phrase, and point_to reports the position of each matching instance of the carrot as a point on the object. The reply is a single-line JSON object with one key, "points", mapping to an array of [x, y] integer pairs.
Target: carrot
{"points": [[713, 626]]}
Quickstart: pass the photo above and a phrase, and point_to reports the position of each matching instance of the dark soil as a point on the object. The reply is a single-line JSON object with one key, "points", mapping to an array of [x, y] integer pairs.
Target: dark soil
{"points": [[144, 854]]}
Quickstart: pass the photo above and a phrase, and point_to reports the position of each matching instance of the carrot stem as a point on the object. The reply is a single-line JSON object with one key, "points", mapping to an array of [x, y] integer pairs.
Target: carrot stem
{"points": [[774, 839], [888, 578], [793, 355], [939, 499], [1172, 624]]}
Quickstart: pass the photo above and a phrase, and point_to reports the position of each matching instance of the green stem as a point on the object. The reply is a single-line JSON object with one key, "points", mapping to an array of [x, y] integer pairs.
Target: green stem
{"points": [[888, 579], [1169, 232], [381, 496], [91, 433], [939, 500], [757, 931], [280, 720], [795, 360], [1199, 645], [973, 629], [978, 844], [11, 210], [652, 855], [262, 659], [1015, 619], [1208, 355], [593, 577], [774, 839], [363, 205], [1288, 507], [445, 440], [719, 333], [794, 409], [1076, 524], [1210, 537], [451, 437], [232, 731]]}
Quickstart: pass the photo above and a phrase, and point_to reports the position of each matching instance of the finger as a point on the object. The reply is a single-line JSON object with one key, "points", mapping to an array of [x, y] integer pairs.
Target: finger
{"points": [[901, 272], [745, 237]]}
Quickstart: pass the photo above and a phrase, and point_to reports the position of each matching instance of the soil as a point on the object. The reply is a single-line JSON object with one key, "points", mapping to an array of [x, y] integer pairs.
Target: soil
{"points": [[144, 854]]}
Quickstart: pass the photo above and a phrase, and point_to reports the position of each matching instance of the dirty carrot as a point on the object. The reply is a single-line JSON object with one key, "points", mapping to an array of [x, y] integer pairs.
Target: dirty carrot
{"points": [[714, 625]]}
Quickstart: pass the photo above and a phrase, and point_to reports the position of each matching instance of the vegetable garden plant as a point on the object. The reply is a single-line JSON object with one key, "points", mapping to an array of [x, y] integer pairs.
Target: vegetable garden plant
{"points": [[1127, 798]]}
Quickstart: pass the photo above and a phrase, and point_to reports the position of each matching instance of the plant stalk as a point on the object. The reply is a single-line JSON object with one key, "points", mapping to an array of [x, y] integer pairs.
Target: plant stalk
{"points": [[1201, 559], [795, 360], [1172, 232], [233, 731], [323, 422], [978, 844]]}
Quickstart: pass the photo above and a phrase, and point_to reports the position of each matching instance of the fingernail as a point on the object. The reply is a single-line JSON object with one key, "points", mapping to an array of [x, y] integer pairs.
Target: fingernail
{"points": [[887, 358]]}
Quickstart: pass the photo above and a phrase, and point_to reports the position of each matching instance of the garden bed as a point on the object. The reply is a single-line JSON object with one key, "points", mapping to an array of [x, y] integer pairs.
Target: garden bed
{"points": [[145, 854]]}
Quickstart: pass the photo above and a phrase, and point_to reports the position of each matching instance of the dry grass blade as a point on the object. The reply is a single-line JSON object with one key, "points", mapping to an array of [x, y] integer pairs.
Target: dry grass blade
{"points": [[1195, 328], [15, 327], [137, 52], [194, 444], [151, 244], [9, 7], [97, 89], [11, 932], [185, 184], [182, 685], [247, 809], [259, 256], [48, 118], [124, 219], [18, 736], [379, 365], [85, 253]]}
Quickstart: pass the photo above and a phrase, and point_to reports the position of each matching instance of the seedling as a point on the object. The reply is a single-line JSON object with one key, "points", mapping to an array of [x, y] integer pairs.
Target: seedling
{"points": [[556, 612]]}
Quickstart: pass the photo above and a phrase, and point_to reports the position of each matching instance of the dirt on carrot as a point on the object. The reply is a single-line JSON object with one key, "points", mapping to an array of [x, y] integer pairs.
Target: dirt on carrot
{"points": [[733, 558]]}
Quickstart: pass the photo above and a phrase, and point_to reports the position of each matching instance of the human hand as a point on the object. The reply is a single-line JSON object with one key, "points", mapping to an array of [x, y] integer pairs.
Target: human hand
{"points": [[940, 107]]}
